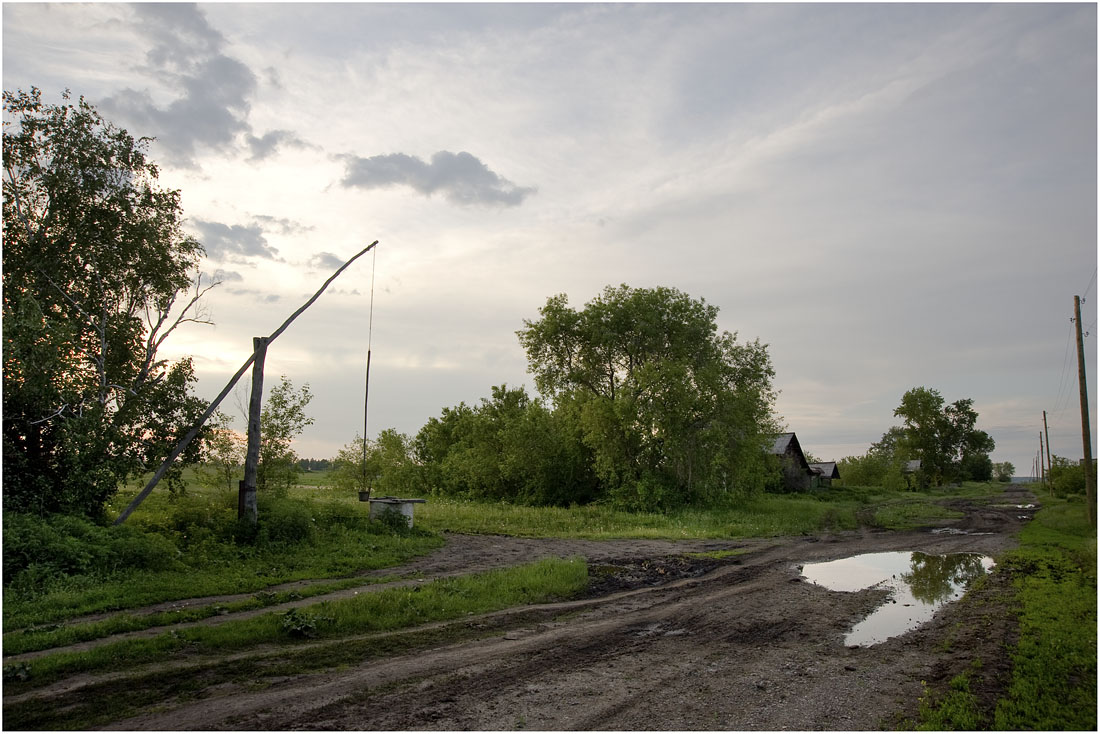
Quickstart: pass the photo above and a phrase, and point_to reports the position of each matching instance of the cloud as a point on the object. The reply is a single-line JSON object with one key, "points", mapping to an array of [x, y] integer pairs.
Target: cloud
{"points": [[325, 261], [225, 242], [281, 224], [212, 90], [460, 177], [227, 276], [270, 142]]}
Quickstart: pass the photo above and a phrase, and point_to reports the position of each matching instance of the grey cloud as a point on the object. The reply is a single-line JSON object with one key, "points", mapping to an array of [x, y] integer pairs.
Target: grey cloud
{"points": [[461, 177], [224, 242], [282, 224], [227, 276], [325, 260], [266, 145], [213, 89]]}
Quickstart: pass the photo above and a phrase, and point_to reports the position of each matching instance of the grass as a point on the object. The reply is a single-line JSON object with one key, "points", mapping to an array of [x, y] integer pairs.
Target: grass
{"points": [[390, 609], [303, 538], [1054, 677], [957, 710], [907, 515], [48, 636], [765, 516]]}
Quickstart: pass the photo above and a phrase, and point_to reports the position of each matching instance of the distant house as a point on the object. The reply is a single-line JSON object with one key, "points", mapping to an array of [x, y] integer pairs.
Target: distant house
{"points": [[910, 471], [824, 473], [797, 476]]}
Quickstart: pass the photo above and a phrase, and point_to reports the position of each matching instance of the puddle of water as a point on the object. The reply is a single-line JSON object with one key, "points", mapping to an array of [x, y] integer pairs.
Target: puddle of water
{"points": [[919, 584]]}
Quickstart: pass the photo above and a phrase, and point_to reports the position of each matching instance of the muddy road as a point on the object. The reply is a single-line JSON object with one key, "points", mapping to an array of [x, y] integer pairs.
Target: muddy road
{"points": [[663, 641]]}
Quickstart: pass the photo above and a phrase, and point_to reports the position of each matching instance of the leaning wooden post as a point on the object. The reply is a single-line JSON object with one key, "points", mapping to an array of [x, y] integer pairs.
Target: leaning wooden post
{"points": [[246, 494]]}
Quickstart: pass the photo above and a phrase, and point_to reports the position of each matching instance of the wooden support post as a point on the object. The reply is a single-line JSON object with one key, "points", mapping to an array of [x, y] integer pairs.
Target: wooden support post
{"points": [[1086, 433], [246, 498]]}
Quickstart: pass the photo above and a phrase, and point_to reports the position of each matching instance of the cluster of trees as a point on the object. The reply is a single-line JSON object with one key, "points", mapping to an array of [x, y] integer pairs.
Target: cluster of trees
{"points": [[941, 436], [97, 274], [642, 402]]}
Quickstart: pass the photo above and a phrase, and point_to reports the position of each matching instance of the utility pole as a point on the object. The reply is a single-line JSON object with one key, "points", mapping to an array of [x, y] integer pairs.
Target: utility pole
{"points": [[1043, 476], [1050, 466], [1086, 433]]}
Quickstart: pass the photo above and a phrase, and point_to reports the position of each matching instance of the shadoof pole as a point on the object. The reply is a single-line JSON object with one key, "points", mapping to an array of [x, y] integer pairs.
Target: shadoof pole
{"points": [[246, 489], [1086, 433], [366, 381], [187, 439]]}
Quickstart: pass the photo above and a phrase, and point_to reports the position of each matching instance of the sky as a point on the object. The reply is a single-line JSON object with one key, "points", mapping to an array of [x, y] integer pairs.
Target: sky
{"points": [[887, 195]]}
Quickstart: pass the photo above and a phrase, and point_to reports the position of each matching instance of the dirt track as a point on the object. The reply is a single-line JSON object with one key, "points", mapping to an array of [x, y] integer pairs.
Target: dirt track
{"points": [[665, 643]]}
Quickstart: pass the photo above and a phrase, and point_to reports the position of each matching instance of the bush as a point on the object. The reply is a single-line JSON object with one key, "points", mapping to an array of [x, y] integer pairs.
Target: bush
{"points": [[40, 549]]}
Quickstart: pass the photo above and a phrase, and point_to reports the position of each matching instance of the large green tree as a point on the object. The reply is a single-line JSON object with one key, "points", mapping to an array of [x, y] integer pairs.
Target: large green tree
{"points": [[97, 274], [944, 437], [673, 410]]}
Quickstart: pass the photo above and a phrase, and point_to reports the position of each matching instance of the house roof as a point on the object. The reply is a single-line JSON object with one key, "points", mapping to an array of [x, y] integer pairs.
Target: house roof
{"points": [[782, 441], [787, 443], [826, 469]]}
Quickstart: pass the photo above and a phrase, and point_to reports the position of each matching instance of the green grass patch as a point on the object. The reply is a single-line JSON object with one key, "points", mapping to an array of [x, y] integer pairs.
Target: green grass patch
{"points": [[49, 636], [717, 554], [390, 609], [1054, 677], [910, 514], [763, 516], [957, 710]]}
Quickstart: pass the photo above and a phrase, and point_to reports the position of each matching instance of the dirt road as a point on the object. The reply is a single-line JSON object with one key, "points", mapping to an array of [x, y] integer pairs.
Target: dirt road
{"points": [[663, 642]]}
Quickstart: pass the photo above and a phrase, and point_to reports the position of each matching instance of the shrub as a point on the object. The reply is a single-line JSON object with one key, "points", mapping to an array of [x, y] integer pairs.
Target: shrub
{"points": [[40, 549]]}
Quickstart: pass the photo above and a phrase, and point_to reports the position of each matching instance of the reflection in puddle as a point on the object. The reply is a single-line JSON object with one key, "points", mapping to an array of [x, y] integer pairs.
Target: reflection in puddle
{"points": [[919, 584]]}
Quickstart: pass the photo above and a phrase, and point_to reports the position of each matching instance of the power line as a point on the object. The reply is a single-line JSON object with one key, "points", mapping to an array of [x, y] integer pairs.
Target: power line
{"points": [[1063, 383], [1089, 286]]}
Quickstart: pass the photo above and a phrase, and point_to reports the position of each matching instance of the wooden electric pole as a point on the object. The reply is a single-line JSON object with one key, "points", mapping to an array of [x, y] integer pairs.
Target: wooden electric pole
{"points": [[1043, 476], [1086, 433], [1050, 466]]}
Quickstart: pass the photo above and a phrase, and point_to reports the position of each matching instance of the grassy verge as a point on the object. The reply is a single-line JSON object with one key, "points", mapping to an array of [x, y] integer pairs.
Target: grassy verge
{"points": [[390, 609], [1054, 678]]}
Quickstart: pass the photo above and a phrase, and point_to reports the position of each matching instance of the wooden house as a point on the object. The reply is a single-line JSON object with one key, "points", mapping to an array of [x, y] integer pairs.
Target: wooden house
{"points": [[797, 476], [824, 473]]}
